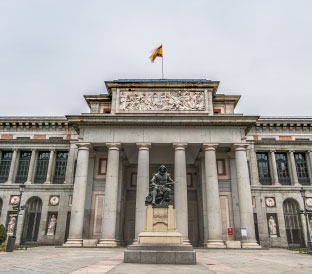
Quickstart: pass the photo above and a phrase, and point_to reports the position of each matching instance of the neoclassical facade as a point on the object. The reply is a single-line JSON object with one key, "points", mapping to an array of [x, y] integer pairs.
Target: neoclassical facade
{"points": [[238, 177]]}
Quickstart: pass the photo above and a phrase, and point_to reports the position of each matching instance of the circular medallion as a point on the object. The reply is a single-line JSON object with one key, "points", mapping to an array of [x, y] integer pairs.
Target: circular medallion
{"points": [[54, 200], [309, 202], [15, 200], [270, 202]]}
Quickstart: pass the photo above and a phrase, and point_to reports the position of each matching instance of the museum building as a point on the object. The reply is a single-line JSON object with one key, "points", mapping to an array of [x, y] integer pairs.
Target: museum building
{"points": [[87, 176]]}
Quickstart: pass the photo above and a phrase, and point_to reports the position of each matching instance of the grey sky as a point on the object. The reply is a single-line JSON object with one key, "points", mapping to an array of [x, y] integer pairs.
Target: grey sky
{"points": [[53, 52]]}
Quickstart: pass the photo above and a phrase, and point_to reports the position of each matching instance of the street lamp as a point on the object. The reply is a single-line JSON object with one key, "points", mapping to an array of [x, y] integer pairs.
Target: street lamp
{"points": [[305, 213], [12, 239]]}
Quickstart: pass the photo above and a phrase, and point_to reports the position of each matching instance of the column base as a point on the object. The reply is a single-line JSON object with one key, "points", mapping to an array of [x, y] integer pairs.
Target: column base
{"points": [[108, 243], [73, 243], [215, 244], [251, 245], [186, 242]]}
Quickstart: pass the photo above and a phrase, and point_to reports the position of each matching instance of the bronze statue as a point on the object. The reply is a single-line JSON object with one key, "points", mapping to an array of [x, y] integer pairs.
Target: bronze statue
{"points": [[161, 186]]}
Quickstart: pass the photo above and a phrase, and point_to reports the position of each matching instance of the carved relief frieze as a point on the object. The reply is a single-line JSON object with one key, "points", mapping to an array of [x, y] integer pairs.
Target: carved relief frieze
{"points": [[162, 101]]}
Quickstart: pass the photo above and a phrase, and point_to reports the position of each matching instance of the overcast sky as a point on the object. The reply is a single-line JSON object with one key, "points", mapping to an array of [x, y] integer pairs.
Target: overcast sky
{"points": [[53, 52]]}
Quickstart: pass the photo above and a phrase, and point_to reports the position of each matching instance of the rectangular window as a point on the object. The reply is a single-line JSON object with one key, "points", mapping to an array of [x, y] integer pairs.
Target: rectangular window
{"points": [[302, 168], [282, 168], [221, 167], [102, 166], [264, 168], [60, 167], [23, 167], [42, 167], [5, 165]]}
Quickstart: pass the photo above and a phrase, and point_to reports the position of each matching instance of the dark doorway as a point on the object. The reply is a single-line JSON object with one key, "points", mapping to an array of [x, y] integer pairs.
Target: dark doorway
{"points": [[67, 226], [293, 223], [32, 220]]}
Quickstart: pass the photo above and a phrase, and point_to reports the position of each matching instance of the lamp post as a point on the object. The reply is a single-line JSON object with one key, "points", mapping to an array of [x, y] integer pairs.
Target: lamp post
{"points": [[18, 208], [305, 213]]}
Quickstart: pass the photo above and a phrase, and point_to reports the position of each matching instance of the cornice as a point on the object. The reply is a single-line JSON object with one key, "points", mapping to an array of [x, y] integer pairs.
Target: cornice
{"points": [[100, 120]]}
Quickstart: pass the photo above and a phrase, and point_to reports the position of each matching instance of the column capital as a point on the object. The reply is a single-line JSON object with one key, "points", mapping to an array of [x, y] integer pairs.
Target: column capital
{"points": [[238, 147], [144, 146], [179, 146], [291, 151], [272, 150], [113, 146], [210, 146], [83, 146], [15, 149]]}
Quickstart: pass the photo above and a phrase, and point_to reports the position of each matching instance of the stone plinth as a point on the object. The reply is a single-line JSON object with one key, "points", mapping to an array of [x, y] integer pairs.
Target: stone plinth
{"points": [[160, 242], [160, 227], [160, 254]]}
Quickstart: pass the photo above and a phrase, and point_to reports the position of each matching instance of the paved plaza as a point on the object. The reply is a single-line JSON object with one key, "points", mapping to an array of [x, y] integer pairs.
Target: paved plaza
{"points": [[100, 260]]}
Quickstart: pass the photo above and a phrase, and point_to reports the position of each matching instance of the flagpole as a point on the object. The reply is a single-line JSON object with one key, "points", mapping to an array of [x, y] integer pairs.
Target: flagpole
{"points": [[162, 63]]}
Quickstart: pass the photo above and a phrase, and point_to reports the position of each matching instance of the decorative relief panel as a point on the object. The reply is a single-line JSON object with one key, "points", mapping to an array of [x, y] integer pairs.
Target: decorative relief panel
{"points": [[162, 101]]}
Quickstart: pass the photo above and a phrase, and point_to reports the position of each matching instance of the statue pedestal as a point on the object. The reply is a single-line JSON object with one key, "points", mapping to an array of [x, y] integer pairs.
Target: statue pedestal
{"points": [[160, 227], [160, 242]]}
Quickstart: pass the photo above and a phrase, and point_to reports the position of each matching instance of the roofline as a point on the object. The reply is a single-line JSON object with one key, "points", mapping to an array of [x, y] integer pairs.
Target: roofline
{"points": [[161, 83]]}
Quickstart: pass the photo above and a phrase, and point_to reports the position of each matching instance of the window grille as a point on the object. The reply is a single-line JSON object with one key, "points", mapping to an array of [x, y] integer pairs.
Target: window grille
{"points": [[302, 168], [42, 167], [5, 165], [282, 168], [60, 167], [264, 168], [23, 167]]}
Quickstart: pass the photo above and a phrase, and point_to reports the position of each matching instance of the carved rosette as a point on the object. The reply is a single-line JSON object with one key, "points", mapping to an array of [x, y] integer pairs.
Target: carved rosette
{"points": [[161, 101]]}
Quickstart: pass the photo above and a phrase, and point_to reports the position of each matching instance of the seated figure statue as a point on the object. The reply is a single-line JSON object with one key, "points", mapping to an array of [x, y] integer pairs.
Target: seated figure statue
{"points": [[161, 187]]}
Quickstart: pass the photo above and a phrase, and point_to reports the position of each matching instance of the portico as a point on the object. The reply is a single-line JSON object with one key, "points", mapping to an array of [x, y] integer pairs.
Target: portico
{"points": [[136, 140]]}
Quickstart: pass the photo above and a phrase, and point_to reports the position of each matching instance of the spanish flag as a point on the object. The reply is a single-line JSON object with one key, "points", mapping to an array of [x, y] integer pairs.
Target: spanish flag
{"points": [[156, 53]]}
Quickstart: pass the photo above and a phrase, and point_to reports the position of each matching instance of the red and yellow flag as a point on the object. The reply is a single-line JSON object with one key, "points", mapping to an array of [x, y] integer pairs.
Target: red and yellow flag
{"points": [[156, 53]]}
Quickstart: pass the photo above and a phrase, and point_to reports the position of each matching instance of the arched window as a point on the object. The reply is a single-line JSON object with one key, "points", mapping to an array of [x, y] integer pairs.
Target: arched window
{"points": [[293, 223], [32, 220]]}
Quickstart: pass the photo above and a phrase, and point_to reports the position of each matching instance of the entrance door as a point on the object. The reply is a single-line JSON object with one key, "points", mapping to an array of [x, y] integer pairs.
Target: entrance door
{"points": [[32, 220], [293, 224]]}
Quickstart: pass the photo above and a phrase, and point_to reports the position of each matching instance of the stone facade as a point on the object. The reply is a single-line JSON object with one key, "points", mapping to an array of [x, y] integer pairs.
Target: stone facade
{"points": [[87, 175]]}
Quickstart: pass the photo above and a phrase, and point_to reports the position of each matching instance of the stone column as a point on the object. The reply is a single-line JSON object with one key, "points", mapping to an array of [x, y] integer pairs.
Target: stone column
{"points": [[50, 167], [244, 194], [69, 176], [204, 196], [213, 199], [180, 190], [79, 196], [274, 168], [142, 188], [31, 167], [110, 200], [13, 166], [294, 175], [253, 166]]}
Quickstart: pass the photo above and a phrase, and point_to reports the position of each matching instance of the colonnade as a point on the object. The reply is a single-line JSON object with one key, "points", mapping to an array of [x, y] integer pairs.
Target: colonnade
{"points": [[212, 200]]}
